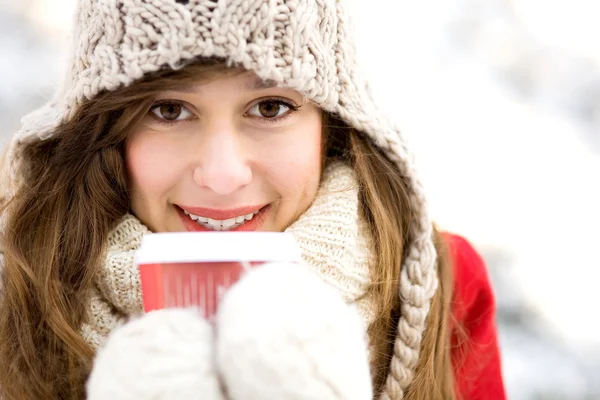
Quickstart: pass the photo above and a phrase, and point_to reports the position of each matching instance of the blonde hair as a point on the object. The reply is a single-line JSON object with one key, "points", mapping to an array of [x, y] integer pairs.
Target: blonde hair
{"points": [[73, 189]]}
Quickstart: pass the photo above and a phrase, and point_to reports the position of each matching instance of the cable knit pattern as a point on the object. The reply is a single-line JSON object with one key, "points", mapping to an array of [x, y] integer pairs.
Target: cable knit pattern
{"points": [[102, 319], [119, 281], [302, 44], [329, 234]]}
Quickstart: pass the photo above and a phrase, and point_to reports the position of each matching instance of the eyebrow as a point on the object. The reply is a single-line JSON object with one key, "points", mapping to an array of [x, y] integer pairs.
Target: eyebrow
{"points": [[257, 83], [252, 83]]}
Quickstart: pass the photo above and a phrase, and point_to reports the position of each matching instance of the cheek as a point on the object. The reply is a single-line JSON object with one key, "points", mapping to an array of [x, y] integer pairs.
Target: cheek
{"points": [[146, 159], [295, 167]]}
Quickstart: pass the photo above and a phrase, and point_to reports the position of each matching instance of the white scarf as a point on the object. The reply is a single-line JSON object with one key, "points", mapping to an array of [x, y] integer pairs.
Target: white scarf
{"points": [[331, 235]]}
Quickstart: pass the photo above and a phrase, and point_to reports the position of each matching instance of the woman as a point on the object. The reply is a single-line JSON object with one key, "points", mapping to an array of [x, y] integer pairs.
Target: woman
{"points": [[187, 115]]}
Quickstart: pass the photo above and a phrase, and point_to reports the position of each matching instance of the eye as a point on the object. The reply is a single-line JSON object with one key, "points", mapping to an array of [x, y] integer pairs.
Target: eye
{"points": [[271, 109], [170, 111]]}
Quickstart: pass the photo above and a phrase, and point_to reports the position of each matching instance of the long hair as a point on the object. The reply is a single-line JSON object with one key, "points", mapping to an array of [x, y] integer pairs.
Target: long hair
{"points": [[72, 191], [385, 205]]}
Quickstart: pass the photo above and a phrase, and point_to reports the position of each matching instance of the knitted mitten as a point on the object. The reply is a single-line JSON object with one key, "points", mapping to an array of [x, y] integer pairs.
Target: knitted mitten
{"points": [[282, 333], [166, 355]]}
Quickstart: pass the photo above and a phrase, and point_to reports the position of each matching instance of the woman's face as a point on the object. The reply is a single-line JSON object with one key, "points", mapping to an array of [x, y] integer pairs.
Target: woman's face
{"points": [[232, 153]]}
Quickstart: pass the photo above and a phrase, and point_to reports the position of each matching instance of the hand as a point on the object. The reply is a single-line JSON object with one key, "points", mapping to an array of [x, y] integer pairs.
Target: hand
{"points": [[165, 354], [283, 333], [280, 333]]}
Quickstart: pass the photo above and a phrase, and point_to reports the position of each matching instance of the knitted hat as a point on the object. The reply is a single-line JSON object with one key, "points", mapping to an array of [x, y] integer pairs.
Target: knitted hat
{"points": [[301, 44]]}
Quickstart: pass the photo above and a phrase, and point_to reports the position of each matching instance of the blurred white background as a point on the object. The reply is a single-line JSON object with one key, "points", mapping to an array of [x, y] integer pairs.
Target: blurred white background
{"points": [[500, 101]]}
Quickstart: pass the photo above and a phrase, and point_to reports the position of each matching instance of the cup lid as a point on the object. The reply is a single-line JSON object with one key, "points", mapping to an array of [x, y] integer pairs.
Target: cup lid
{"points": [[173, 247]]}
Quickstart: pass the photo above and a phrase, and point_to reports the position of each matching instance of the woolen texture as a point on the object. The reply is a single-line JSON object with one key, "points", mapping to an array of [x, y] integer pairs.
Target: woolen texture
{"points": [[305, 45], [270, 341], [166, 355], [283, 325]]}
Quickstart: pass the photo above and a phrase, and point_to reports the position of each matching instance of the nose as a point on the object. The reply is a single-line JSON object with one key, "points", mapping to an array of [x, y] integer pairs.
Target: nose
{"points": [[223, 165]]}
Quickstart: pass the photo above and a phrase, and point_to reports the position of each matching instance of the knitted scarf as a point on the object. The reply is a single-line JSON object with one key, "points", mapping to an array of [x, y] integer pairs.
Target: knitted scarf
{"points": [[331, 235]]}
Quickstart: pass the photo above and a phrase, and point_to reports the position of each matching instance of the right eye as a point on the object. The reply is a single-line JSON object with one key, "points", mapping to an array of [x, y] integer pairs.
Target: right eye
{"points": [[170, 111]]}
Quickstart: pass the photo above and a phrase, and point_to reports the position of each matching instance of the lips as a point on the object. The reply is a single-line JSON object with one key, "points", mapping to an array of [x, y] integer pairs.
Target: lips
{"points": [[253, 225]]}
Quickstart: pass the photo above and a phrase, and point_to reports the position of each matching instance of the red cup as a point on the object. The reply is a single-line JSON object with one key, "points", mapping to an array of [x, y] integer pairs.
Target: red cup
{"points": [[194, 269]]}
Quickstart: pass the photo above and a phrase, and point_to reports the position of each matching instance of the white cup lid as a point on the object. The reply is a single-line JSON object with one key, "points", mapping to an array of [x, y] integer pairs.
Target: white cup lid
{"points": [[176, 247]]}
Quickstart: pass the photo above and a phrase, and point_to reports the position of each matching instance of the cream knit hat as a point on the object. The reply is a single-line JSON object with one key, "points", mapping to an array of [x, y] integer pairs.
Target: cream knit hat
{"points": [[301, 44]]}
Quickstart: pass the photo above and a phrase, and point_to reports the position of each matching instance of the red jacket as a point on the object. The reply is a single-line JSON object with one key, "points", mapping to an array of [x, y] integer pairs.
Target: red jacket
{"points": [[475, 352]]}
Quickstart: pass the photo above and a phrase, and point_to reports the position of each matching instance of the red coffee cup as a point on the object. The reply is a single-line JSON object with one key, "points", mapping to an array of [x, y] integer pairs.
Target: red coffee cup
{"points": [[194, 269]]}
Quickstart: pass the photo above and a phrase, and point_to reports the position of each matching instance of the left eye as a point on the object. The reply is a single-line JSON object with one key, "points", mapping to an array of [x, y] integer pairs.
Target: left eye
{"points": [[171, 111], [270, 109]]}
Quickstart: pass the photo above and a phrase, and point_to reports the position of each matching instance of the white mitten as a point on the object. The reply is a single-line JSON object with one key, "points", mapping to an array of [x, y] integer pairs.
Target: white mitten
{"points": [[163, 355], [282, 333]]}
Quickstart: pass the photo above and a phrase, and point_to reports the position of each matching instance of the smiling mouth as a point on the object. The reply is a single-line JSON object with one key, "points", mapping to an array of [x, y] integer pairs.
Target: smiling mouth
{"points": [[223, 220], [221, 225]]}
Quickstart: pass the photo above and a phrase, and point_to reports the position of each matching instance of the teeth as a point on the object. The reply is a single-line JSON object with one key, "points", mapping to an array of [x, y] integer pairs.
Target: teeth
{"points": [[228, 223], [191, 215], [211, 221], [221, 225]]}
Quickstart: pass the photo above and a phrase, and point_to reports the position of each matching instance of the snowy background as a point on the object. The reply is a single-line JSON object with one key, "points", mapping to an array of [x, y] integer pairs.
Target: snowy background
{"points": [[500, 101]]}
